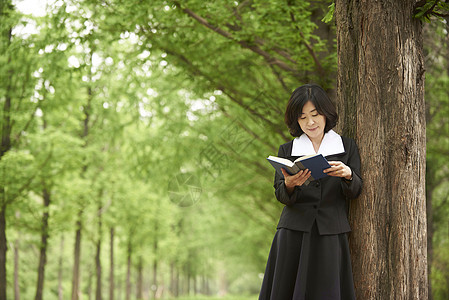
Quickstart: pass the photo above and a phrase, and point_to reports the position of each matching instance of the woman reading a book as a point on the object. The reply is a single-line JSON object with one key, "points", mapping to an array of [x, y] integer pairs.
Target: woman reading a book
{"points": [[309, 256]]}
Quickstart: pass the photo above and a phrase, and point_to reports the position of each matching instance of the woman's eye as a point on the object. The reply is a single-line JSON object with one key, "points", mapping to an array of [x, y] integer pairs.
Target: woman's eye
{"points": [[302, 118]]}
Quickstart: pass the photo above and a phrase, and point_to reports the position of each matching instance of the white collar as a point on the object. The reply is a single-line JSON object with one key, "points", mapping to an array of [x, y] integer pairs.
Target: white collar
{"points": [[331, 144]]}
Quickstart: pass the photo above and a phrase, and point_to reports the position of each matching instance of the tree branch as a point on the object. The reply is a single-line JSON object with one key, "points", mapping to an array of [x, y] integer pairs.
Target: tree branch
{"points": [[268, 58], [318, 66], [226, 90]]}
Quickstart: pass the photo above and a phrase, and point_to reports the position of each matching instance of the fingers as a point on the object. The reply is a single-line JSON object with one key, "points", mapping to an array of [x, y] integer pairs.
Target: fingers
{"points": [[304, 176], [284, 172], [297, 179], [338, 169], [297, 175]]}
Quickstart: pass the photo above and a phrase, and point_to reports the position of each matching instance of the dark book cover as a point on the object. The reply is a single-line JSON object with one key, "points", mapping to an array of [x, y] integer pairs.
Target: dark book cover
{"points": [[315, 163]]}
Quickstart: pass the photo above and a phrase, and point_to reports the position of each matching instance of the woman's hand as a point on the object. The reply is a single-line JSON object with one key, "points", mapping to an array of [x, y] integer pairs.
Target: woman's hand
{"points": [[339, 169], [293, 180]]}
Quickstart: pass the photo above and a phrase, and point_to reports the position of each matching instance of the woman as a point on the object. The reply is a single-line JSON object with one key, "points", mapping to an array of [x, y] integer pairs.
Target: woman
{"points": [[309, 258]]}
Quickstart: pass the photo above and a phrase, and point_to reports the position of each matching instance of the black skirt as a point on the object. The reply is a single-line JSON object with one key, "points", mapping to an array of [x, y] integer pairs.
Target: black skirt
{"points": [[308, 266]]}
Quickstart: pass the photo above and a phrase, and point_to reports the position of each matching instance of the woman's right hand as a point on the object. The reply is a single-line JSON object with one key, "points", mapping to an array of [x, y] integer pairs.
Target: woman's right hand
{"points": [[293, 180]]}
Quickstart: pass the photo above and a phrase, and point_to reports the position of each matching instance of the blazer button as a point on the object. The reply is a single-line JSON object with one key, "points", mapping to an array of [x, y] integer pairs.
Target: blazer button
{"points": [[315, 206], [317, 184]]}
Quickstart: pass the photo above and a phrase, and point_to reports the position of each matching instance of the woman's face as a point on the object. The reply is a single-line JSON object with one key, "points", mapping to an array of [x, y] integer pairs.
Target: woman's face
{"points": [[311, 122]]}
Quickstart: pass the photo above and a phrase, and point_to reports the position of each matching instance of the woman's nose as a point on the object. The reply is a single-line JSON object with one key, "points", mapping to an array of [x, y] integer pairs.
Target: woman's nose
{"points": [[310, 121]]}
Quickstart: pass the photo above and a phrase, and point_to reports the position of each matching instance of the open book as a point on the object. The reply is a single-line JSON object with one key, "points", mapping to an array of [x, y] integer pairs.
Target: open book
{"points": [[315, 163]]}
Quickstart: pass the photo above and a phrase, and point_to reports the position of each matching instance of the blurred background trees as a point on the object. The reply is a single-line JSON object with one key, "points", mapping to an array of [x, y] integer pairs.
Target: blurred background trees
{"points": [[134, 137]]}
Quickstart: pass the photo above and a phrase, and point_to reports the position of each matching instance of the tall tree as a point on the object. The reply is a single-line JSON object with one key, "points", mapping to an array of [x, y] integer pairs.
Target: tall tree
{"points": [[380, 92]]}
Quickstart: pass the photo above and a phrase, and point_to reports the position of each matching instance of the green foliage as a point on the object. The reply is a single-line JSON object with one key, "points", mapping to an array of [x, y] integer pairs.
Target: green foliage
{"points": [[330, 14], [425, 9]]}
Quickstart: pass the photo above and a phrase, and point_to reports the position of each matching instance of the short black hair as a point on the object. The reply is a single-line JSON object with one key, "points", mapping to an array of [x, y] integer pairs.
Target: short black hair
{"points": [[315, 94]]}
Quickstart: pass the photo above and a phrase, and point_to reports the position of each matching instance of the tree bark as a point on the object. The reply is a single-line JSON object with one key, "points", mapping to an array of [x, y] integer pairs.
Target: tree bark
{"points": [[380, 98], [43, 246], [111, 270], [77, 256]]}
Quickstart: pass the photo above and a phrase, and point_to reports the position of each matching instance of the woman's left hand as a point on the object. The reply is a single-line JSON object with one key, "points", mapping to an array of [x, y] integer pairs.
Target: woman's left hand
{"points": [[339, 169]]}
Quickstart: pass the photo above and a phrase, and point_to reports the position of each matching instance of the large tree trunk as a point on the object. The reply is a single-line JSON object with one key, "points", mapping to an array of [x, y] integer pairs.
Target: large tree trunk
{"points": [[43, 246], [111, 270], [77, 257], [380, 98]]}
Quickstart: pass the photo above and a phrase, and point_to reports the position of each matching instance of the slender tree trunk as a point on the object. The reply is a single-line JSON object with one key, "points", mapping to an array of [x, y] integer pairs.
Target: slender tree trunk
{"points": [[155, 264], [77, 256], [77, 249], [98, 253], [60, 265], [16, 270], [381, 103], [3, 250], [98, 271], [43, 246], [139, 288], [90, 276], [188, 278], [128, 273], [111, 270], [5, 146]]}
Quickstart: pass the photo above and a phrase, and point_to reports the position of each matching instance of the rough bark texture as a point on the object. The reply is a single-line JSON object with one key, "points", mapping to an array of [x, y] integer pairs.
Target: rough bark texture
{"points": [[380, 97]]}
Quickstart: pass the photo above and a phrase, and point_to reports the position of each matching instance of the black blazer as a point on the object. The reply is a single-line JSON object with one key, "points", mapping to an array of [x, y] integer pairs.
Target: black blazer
{"points": [[323, 200]]}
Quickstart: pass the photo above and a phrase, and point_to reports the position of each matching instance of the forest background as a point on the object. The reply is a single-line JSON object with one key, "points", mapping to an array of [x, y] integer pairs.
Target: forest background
{"points": [[134, 138]]}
